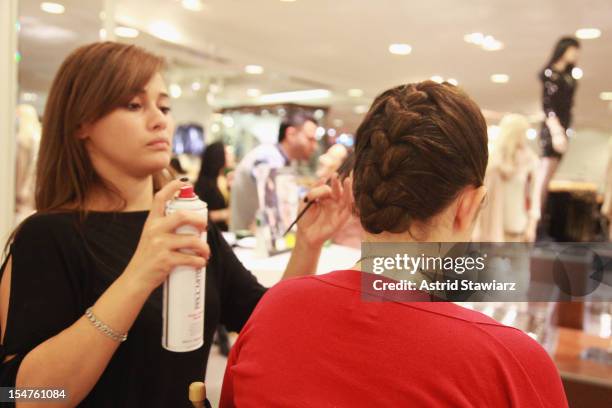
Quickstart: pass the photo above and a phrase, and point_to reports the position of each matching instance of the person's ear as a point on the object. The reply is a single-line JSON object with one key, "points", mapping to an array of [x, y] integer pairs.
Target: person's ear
{"points": [[82, 131], [468, 207]]}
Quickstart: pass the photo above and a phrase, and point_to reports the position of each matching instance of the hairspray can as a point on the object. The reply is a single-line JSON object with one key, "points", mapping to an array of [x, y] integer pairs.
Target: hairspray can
{"points": [[184, 288]]}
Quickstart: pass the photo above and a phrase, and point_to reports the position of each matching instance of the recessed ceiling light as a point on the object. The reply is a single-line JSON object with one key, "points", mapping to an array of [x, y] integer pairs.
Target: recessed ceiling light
{"points": [[193, 5], [577, 73], [400, 49], [437, 78], [452, 81], [287, 1], [588, 33], [606, 96], [126, 32], [165, 31], [491, 44], [500, 78], [254, 69], [360, 109], [196, 85], [175, 90], [29, 97], [53, 8], [474, 38], [355, 93], [253, 93]]}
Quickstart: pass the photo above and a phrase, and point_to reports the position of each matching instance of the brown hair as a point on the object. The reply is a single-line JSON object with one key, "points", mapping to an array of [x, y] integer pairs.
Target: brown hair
{"points": [[92, 81], [417, 147]]}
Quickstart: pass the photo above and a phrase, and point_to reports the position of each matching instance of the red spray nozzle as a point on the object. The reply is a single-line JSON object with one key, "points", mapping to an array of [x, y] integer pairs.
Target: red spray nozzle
{"points": [[187, 192]]}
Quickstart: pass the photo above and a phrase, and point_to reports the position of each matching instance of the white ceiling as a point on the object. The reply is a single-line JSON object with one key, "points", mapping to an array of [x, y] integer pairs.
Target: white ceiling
{"points": [[342, 44]]}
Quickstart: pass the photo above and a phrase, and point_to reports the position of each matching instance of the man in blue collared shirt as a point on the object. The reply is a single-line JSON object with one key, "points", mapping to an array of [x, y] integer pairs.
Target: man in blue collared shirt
{"points": [[296, 141]]}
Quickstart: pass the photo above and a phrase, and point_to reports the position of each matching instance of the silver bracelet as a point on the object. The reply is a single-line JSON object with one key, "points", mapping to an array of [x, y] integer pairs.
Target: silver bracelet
{"points": [[100, 325]]}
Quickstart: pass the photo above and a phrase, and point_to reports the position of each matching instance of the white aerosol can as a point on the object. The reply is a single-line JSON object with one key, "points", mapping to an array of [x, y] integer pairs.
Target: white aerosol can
{"points": [[184, 289]]}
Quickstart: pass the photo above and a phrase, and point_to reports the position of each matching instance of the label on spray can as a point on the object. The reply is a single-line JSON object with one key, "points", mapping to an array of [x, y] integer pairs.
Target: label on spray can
{"points": [[184, 288]]}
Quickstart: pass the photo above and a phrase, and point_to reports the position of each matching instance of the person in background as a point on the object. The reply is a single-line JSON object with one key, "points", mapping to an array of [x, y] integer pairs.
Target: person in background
{"points": [[296, 141], [211, 185], [558, 88], [510, 187], [100, 243], [420, 161]]}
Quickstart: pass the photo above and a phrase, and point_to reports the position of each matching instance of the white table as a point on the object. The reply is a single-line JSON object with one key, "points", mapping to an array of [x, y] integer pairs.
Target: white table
{"points": [[270, 270]]}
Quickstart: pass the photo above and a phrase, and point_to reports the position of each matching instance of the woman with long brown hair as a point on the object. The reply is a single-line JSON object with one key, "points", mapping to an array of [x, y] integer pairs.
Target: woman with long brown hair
{"points": [[100, 242]]}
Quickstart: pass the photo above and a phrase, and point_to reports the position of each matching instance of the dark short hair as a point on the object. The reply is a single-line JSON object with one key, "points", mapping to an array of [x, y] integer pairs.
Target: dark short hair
{"points": [[296, 119], [417, 148]]}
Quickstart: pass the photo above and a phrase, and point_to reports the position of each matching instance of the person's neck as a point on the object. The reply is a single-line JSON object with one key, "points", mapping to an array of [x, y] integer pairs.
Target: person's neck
{"points": [[286, 151], [560, 65], [134, 194]]}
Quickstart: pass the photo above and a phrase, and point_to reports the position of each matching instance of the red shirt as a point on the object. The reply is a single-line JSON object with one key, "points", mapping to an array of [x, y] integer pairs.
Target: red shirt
{"points": [[314, 342]]}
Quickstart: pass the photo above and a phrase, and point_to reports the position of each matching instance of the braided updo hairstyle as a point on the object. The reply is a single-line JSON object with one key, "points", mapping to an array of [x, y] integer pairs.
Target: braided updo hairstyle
{"points": [[417, 148]]}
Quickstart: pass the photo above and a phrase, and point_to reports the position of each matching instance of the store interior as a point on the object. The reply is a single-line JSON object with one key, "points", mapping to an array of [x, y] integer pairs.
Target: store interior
{"points": [[236, 69]]}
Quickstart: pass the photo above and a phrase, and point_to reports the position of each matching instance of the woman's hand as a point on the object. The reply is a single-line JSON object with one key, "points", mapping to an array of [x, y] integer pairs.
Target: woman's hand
{"points": [[158, 250], [331, 209]]}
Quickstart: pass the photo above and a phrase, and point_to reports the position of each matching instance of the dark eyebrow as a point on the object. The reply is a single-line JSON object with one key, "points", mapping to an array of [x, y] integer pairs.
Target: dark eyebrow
{"points": [[163, 95]]}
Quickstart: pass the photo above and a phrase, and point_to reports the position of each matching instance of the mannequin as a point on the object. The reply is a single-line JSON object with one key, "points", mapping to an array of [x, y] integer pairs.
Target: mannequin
{"points": [[505, 217], [28, 139], [557, 98], [606, 208]]}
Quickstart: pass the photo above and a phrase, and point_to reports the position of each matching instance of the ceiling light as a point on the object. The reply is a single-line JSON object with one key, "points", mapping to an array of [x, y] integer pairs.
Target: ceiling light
{"points": [[588, 33], [295, 96], [452, 81], [500, 78], [577, 73], [400, 49], [474, 38], [175, 90], [287, 1], [491, 44], [102, 34], [254, 69], [165, 31], [606, 96], [253, 93], [318, 114], [215, 128], [193, 5], [29, 97], [355, 93], [532, 134], [126, 32], [196, 86], [360, 109], [53, 8], [437, 78]]}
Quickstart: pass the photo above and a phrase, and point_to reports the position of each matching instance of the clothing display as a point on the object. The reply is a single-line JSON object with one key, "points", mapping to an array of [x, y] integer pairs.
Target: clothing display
{"points": [[59, 269], [558, 90], [28, 140], [244, 188], [346, 349], [510, 188]]}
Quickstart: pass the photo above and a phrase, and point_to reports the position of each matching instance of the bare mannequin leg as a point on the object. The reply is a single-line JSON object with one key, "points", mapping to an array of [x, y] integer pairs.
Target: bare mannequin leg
{"points": [[548, 167]]}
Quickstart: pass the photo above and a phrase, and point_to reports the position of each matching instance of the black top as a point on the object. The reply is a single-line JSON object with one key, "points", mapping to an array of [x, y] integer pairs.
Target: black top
{"points": [[208, 191], [59, 269], [558, 95]]}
